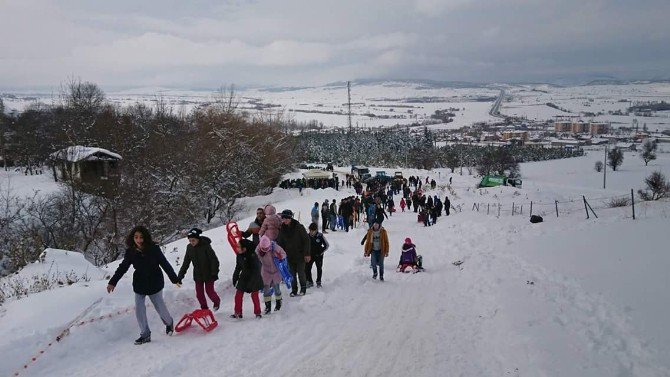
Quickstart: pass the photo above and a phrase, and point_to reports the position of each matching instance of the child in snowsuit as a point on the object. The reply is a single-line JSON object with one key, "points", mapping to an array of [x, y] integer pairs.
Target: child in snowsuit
{"points": [[271, 224], [205, 267], [408, 257], [319, 245], [402, 204], [247, 277], [266, 250]]}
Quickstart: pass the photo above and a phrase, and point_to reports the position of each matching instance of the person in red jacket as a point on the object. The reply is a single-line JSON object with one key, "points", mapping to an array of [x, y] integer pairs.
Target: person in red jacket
{"points": [[147, 259]]}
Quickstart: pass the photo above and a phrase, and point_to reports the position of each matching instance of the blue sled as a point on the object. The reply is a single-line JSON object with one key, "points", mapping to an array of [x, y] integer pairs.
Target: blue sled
{"points": [[282, 266]]}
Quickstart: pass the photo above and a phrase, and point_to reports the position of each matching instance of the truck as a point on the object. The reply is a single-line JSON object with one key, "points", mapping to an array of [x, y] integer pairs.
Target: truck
{"points": [[380, 176], [499, 180], [362, 173]]}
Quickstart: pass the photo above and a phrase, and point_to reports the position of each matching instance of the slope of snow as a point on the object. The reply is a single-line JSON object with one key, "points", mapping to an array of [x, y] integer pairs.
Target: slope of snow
{"points": [[567, 297]]}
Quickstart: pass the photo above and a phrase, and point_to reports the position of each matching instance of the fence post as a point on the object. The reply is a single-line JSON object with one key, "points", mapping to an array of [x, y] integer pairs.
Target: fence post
{"points": [[488, 207], [531, 208], [512, 208], [632, 200], [499, 209], [585, 207], [556, 203], [521, 210]]}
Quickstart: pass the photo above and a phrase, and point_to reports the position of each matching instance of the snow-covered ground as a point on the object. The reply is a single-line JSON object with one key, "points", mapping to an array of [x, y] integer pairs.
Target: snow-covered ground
{"points": [[531, 102], [566, 297]]}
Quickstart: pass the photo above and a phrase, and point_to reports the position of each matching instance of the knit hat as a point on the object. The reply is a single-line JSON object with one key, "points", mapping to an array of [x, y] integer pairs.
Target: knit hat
{"points": [[265, 243], [194, 233], [287, 214], [408, 240]]}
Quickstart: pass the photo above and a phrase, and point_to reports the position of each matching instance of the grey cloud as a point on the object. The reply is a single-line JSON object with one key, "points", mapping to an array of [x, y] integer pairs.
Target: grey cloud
{"points": [[207, 43]]}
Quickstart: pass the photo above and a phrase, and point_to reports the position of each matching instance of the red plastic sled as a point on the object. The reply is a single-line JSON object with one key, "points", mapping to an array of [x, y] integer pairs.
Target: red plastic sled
{"points": [[234, 235], [203, 317]]}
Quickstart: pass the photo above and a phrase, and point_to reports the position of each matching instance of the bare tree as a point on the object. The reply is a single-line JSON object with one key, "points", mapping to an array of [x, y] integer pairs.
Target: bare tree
{"points": [[615, 158], [599, 166], [657, 187], [648, 151]]}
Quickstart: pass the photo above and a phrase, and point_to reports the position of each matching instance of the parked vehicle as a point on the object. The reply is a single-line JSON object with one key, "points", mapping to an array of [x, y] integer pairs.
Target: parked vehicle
{"points": [[499, 180]]}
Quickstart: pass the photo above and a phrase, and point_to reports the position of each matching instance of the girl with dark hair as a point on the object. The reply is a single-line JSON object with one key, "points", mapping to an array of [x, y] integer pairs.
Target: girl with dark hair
{"points": [[247, 277], [147, 259]]}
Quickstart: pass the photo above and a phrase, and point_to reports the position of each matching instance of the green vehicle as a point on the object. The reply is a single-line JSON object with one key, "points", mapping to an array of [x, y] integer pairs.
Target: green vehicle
{"points": [[499, 180]]}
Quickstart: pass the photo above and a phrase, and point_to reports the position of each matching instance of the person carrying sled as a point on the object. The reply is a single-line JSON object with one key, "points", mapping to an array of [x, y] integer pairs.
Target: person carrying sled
{"points": [[318, 246], [147, 259], [205, 267], [266, 251], [376, 246], [408, 257], [247, 278]]}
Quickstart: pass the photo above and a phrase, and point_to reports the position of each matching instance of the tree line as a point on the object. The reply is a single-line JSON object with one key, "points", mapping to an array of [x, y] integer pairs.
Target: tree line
{"points": [[178, 170]]}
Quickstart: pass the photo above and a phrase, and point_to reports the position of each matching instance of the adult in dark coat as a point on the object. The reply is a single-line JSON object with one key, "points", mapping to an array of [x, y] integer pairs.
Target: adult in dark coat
{"points": [[205, 267], [293, 238], [247, 277], [147, 259]]}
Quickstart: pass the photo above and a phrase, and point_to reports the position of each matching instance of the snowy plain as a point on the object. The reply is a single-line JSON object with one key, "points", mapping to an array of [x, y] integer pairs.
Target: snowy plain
{"points": [[566, 297]]}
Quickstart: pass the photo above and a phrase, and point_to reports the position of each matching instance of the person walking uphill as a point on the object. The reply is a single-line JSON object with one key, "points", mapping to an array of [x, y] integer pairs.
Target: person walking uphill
{"points": [[376, 243], [205, 267], [318, 246], [266, 251], [247, 277], [147, 259], [315, 213], [294, 240], [255, 226]]}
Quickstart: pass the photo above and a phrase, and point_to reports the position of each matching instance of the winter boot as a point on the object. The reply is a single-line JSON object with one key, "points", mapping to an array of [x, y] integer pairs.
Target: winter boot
{"points": [[278, 305], [268, 307], [142, 339]]}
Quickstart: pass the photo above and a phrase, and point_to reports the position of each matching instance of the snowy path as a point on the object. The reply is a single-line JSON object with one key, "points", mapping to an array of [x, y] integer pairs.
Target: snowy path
{"points": [[482, 319]]}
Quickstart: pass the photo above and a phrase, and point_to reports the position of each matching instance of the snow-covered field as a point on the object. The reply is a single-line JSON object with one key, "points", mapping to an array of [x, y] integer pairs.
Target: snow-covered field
{"points": [[566, 297], [391, 103], [530, 102]]}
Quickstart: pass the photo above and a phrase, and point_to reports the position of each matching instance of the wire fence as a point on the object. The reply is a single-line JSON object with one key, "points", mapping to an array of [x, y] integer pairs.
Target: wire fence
{"points": [[588, 206]]}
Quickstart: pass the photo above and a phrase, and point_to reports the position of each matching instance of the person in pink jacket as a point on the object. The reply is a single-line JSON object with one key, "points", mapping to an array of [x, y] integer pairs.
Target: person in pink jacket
{"points": [[271, 224], [266, 250]]}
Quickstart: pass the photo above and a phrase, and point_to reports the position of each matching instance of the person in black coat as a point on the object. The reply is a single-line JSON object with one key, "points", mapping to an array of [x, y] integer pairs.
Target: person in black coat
{"points": [[247, 277], [447, 205], [318, 246], [205, 267], [147, 259]]}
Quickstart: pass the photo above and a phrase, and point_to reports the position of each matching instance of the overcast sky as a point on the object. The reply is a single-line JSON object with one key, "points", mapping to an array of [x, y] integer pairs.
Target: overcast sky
{"points": [[207, 44]]}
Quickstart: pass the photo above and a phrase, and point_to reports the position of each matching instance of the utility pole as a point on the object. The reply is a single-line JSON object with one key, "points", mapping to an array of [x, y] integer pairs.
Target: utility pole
{"points": [[349, 103], [605, 169]]}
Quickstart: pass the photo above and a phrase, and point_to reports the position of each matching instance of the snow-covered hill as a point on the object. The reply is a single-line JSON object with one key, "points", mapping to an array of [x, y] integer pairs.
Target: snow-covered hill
{"points": [[566, 297]]}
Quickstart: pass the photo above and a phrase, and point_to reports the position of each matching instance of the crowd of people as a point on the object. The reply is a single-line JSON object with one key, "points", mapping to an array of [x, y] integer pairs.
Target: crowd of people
{"points": [[279, 236]]}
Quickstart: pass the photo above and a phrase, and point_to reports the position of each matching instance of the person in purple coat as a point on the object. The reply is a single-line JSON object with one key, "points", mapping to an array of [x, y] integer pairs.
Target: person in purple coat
{"points": [[408, 257], [266, 250]]}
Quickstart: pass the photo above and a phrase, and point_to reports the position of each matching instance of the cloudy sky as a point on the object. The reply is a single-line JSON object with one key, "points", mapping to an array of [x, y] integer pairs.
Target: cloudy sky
{"points": [[207, 44]]}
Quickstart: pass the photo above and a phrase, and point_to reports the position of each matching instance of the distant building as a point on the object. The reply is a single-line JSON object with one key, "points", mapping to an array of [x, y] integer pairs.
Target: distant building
{"points": [[92, 169], [562, 126], [579, 127], [598, 128], [520, 135]]}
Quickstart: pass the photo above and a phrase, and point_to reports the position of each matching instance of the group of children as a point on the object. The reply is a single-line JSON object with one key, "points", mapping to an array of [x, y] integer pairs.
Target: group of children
{"points": [[255, 269]]}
